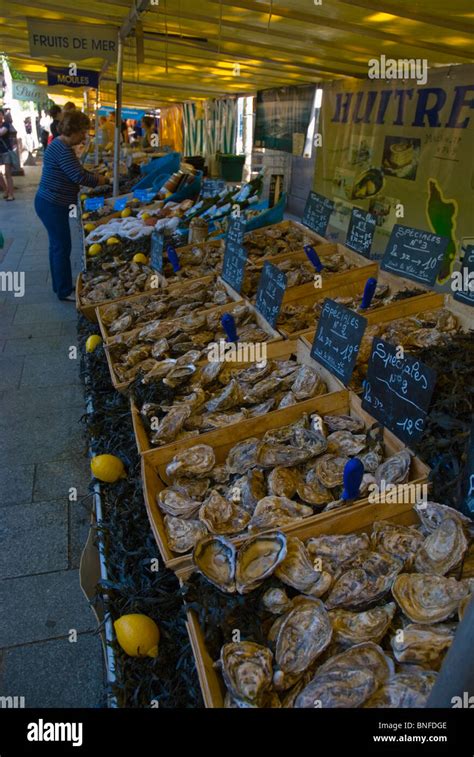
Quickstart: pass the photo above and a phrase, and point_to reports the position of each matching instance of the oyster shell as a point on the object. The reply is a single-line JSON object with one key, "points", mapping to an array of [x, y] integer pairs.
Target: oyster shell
{"points": [[330, 470], [304, 634], [409, 690], [271, 454], [175, 503], [283, 482], [345, 443], [371, 460], [308, 383], [183, 534], [276, 601], [243, 456], [395, 469], [443, 550], [348, 679], [338, 548], [215, 557], [222, 516], [432, 514], [313, 441], [314, 493], [274, 512], [193, 461], [398, 541], [285, 433], [229, 397], [297, 570], [428, 598], [171, 424], [344, 423], [247, 672], [357, 627], [257, 559], [249, 489], [422, 644], [364, 581], [194, 489]]}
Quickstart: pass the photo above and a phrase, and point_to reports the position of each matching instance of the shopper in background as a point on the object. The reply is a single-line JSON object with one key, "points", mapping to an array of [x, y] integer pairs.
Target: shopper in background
{"points": [[148, 124], [6, 159], [55, 113], [68, 106], [110, 127], [60, 181]]}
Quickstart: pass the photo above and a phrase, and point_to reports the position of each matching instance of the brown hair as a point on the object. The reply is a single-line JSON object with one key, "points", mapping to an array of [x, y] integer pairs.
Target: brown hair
{"points": [[72, 122]]}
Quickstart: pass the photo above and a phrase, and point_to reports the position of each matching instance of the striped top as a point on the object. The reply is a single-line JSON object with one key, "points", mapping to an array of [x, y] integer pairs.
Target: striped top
{"points": [[63, 174]]}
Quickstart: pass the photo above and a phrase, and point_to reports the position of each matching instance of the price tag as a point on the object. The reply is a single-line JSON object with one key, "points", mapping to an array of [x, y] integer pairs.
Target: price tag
{"points": [[212, 187], [360, 233], [120, 203], [271, 289], [156, 251], [94, 203], [235, 230], [397, 391], [337, 340], [144, 195], [414, 254], [235, 255], [317, 212], [462, 282]]}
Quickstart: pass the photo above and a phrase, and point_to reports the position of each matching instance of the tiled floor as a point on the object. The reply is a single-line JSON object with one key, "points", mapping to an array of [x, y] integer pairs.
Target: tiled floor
{"points": [[43, 455]]}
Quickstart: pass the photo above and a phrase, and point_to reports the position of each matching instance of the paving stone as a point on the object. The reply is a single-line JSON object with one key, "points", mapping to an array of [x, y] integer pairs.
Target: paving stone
{"points": [[54, 311], [41, 401], [45, 606], [16, 484], [54, 479], [50, 369], [79, 526], [48, 345], [56, 673], [11, 369], [29, 330], [8, 312], [54, 437], [34, 538]]}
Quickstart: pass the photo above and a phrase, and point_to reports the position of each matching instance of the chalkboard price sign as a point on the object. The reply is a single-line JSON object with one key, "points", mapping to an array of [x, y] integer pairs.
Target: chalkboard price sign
{"points": [[235, 254], [462, 282], [271, 289], [337, 339], [156, 251], [360, 233], [414, 254], [468, 504], [316, 213], [397, 391], [235, 230]]}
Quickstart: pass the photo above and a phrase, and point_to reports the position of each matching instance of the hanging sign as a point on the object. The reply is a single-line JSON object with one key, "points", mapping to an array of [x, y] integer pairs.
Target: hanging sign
{"points": [[72, 41], [360, 233], [414, 254], [271, 289], [462, 282], [397, 391], [23, 90], [317, 212], [337, 339], [83, 77], [235, 254], [156, 251]]}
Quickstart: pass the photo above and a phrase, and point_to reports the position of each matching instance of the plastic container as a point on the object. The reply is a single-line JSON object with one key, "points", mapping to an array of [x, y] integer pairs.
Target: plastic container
{"points": [[167, 164], [231, 166]]}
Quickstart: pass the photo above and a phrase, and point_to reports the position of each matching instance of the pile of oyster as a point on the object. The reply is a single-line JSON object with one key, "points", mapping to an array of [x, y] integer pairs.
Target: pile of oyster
{"points": [[171, 349], [414, 332], [355, 620], [185, 298], [218, 395], [112, 284], [264, 243], [289, 474], [195, 262]]}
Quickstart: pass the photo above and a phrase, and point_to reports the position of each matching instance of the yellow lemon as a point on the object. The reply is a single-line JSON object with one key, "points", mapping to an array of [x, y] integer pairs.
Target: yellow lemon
{"points": [[113, 240], [89, 227], [140, 258], [83, 197], [94, 249], [92, 342], [145, 216], [126, 212], [108, 468], [138, 635], [85, 216]]}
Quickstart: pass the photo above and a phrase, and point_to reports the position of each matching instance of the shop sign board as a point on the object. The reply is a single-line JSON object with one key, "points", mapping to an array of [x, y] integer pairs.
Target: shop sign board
{"points": [[72, 41]]}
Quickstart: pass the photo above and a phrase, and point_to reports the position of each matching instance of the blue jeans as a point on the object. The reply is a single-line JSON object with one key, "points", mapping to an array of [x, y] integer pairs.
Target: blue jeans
{"points": [[55, 218]]}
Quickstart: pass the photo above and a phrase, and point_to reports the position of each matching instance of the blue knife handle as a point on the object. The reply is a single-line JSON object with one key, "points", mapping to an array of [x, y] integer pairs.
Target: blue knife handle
{"points": [[352, 478], [173, 258], [313, 257], [369, 291], [228, 324]]}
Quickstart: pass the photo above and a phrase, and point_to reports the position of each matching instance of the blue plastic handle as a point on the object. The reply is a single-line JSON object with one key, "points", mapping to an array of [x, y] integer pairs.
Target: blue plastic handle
{"points": [[352, 478], [369, 291], [228, 324], [313, 257], [173, 257]]}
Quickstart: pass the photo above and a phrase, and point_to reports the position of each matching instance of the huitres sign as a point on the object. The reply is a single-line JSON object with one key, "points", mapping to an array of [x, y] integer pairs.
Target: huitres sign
{"points": [[72, 41], [82, 77]]}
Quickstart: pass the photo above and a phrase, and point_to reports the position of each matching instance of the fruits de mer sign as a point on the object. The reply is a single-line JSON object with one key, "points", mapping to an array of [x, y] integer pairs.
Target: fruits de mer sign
{"points": [[72, 41], [82, 78]]}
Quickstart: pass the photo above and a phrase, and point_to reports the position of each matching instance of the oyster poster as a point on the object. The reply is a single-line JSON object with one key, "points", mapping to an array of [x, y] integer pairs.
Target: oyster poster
{"points": [[403, 152]]}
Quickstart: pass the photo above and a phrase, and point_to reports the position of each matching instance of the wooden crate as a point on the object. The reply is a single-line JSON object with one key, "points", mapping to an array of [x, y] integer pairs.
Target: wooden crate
{"points": [[154, 463], [89, 311], [212, 686], [274, 336], [275, 351]]}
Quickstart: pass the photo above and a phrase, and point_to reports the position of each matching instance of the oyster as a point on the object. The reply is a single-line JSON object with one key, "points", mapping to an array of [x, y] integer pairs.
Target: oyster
{"points": [[371, 460], [304, 634], [175, 503], [398, 541], [283, 482], [314, 493], [443, 549], [193, 461], [421, 644], [171, 424], [432, 514], [358, 627], [230, 396], [347, 679], [194, 489], [222, 516], [394, 470], [215, 557], [247, 672], [271, 454], [243, 456], [308, 383], [364, 581], [258, 558], [344, 423], [183, 534], [330, 470], [427, 598], [345, 443], [313, 441], [274, 512], [285, 433], [276, 601], [297, 570], [409, 690], [338, 548], [249, 489]]}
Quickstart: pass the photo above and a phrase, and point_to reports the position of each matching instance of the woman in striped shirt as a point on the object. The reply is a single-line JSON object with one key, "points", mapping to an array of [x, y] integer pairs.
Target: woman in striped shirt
{"points": [[60, 181]]}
